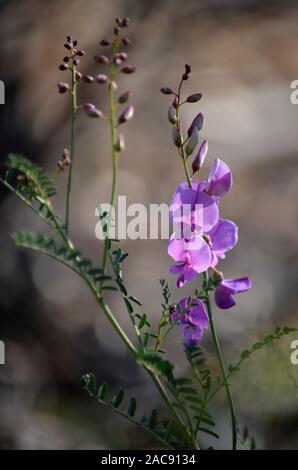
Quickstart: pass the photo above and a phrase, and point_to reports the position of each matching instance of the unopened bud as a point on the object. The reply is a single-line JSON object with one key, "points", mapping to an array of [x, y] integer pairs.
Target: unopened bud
{"points": [[92, 111], [101, 59], [63, 87], [126, 115], [101, 78], [187, 69], [63, 67], [126, 41], [76, 62], [192, 142], [78, 76], [176, 137], [66, 59], [194, 98], [81, 52], [105, 42], [65, 160], [129, 69], [87, 79], [67, 46], [217, 275], [166, 90], [124, 97], [175, 102], [198, 122], [120, 144], [114, 86], [172, 115], [200, 157]]}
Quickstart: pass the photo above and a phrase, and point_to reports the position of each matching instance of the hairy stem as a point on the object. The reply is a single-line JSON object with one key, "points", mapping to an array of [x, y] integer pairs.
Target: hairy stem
{"points": [[221, 364], [72, 146]]}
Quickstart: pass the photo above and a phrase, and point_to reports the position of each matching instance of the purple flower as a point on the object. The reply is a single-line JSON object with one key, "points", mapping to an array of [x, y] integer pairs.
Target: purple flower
{"points": [[223, 237], [227, 288], [220, 179], [193, 256], [193, 320], [193, 209]]}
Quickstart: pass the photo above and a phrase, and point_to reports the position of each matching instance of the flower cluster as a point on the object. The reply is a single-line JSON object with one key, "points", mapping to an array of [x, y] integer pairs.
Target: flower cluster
{"points": [[200, 237]]}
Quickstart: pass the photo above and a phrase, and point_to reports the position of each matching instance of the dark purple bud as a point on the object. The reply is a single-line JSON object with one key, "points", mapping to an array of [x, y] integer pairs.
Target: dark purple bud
{"points": [[192, 142], [105, 42], [66, 59], [63, 67], [92, 111], [175, 102], [101, 59], [198, 122], [116, 30], [67, 46], [78, 76], [126, 115], [124, 97], [76, 62], [124, 23], [185, 76], [63, 87], [194, 98], [129, 69], [187, 69], [126, 41], [166, 90], [87, 79], [117, 61], [122, 55], [120, 144], [75, 43], [176, 137], [101, 78], [172, 115], [68, 38], [81, 52], [200, 157]]}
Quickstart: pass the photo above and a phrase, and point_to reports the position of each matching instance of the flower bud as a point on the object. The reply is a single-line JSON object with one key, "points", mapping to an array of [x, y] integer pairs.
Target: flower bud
{"points": [[78, 76], [176, 137], [122, 55], [194, 98], [67, 46], [66, 59], [114, 86], [75, 43], [192, 142], [92, 111], [126, 41], [124, 97], [122, 23], [63, 87], [175, 102], [63, 67], [101, 78], [172, 115], [198, 122], [166, 90], [76, 62], [101, 59], [200, 157], [129, 69], [187, 69], [126, 115], [217, 275], [105, 42], [120, 144], [65, 160], [87, 79]]}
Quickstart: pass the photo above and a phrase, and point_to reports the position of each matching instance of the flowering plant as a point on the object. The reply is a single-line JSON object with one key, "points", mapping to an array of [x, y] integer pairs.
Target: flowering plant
{"points": [[200, 240]]}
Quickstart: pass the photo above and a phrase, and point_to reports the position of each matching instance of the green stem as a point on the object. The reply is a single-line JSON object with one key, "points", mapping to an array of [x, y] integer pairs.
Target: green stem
{"points": [[72, 146], [221, 364], [178, 127]]}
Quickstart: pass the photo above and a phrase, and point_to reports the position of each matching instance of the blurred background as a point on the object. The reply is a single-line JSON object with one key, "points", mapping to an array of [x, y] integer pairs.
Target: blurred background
{"points": [[244, 55]]}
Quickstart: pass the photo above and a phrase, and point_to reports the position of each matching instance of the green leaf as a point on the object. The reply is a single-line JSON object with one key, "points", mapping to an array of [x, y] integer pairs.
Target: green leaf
{"points": [[135, 300], [169, 430], [183, 381], [152, 361], [208, 431], [117, 399], [102, 391], [153, 419], [132, 407]]}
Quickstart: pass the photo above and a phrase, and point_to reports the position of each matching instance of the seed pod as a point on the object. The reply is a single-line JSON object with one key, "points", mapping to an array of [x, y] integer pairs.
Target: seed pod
{"points": [[172, 115], [63, 67], [194, 98], [176, 137], [200, 157], [120, 144], [101, 59], [128, 69], [63, 87], [87, 79], [124, 97], [101, 78], [126, 115], [192, 142], [166, 90], [198, 122]]}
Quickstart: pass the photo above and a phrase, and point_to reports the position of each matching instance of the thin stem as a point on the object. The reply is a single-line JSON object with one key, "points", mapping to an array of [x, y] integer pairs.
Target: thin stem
{"points": [[112, 121], [72, 146], [221, 364], [178, 127]]}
